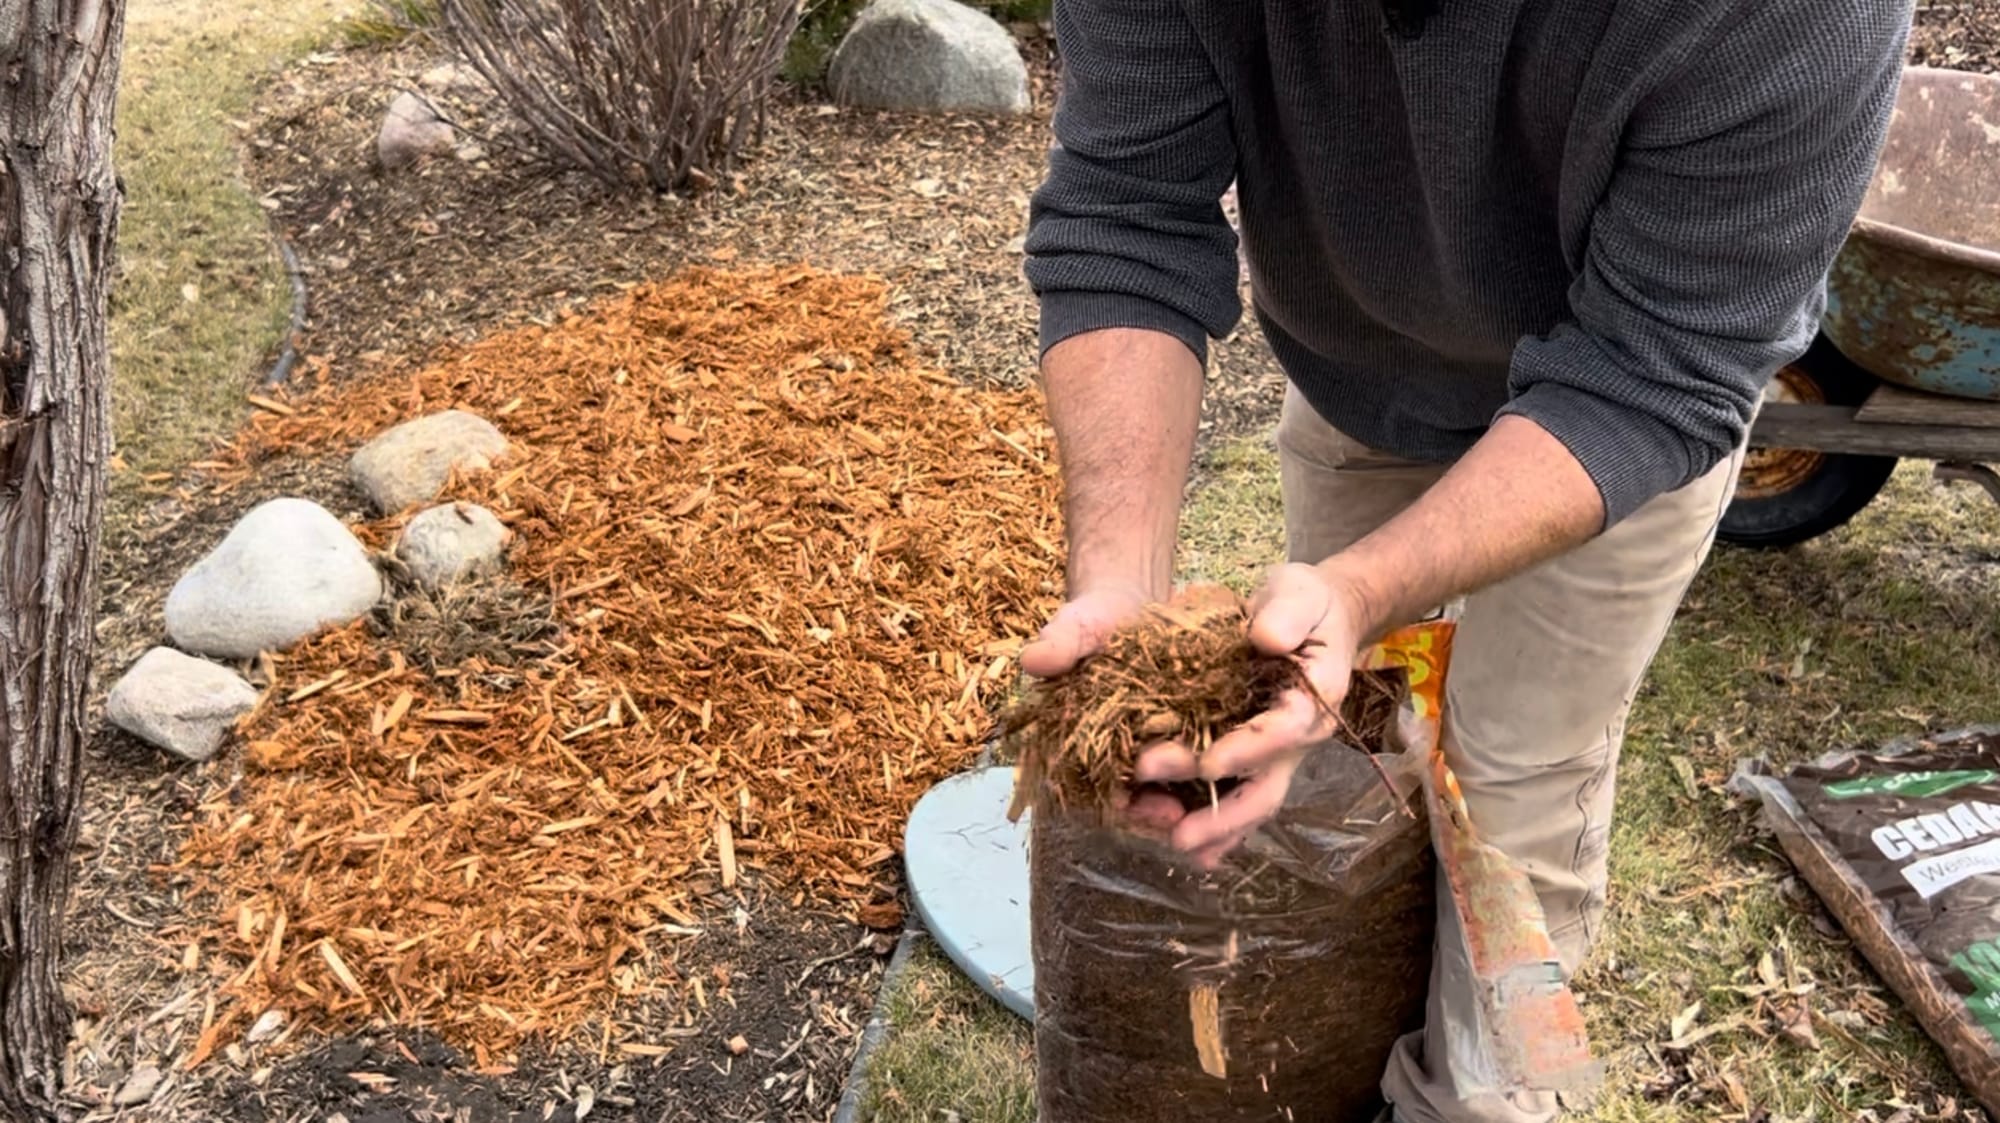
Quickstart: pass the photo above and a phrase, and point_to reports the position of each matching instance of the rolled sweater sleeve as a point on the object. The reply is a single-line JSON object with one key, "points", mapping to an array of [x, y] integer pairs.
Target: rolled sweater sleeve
{"points": [[1706, 257], [1127, 229]]}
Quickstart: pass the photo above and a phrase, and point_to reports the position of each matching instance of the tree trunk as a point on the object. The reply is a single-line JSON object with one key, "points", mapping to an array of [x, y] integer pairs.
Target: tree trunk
{"points": [[58, 219]]}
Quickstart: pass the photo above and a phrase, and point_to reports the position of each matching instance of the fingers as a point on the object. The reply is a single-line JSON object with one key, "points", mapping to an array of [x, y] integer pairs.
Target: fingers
{"points": [[1165, 763], [1210, 833], [1155, 811], [1291, 603], [1077, 631], [1058, 648], [1282, 729]]}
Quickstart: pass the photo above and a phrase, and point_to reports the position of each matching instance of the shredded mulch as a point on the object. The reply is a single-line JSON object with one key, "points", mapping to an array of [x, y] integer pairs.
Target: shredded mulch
{"points": [[787, 567], [1186, 672], [1964, 35]]}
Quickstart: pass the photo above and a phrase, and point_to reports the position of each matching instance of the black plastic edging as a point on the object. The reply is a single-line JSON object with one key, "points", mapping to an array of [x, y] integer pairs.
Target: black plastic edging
{"points": [[289, 357], [876, 1031]]}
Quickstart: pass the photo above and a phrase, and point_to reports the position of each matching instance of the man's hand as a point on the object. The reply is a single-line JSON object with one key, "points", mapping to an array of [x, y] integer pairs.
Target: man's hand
{"points": [[1517, 498], [1079, 628], [1302, 611]]}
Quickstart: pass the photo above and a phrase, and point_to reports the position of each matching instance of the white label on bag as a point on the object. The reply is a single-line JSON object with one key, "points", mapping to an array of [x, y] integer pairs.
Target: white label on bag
{"points": [[1935, 875]]}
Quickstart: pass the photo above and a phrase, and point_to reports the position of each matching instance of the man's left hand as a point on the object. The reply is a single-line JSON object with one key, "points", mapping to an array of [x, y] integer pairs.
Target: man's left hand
{"points": [[1316, 617]]}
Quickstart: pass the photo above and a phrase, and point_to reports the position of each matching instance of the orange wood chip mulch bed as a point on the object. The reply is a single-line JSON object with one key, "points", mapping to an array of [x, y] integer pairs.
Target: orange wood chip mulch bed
{"points": [[787, 567]]}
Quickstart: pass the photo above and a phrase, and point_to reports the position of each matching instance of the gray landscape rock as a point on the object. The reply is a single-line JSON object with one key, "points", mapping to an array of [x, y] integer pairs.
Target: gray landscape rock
{"points": [[411, 130], [453, 78], [410, 463], [179, 703], [285, 571], [935, 55], [452, 543], [138, 1087], [266, 1027]]}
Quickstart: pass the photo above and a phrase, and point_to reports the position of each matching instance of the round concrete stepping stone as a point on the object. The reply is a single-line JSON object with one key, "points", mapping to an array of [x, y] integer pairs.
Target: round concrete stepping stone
{"points": [[968, 870]]}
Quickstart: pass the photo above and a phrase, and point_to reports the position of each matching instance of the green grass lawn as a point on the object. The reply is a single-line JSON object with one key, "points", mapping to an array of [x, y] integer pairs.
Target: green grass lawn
{"points": [[1886, 628], [201, 297]]}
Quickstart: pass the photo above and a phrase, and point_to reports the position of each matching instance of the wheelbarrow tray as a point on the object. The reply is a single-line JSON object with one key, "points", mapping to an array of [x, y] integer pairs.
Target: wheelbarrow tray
{"points": [[1914, 295]]}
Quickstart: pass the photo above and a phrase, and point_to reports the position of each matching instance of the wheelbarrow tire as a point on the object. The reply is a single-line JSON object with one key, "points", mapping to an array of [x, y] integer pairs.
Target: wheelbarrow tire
{"points": [[1793, 497]]}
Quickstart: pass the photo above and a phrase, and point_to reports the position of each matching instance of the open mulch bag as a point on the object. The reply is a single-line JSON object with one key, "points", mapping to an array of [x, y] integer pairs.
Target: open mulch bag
{"points": [[1275, 987]]}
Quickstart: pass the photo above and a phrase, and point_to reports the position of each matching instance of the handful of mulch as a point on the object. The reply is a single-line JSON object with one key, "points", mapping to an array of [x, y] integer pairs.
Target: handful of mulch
{"points": [[1185, 672], [1273, 987]]}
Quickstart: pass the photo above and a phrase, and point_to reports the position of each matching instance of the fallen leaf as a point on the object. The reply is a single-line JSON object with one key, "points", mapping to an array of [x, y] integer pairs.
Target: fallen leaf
{"points": [[885, 914], [139, 1087], [1684, 768], [1683, 1021], [1767, 970], [1797, 1025]]}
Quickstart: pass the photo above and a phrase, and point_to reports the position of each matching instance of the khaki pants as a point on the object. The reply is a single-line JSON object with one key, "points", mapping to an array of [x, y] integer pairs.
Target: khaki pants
{"points": [[1543, 669]]}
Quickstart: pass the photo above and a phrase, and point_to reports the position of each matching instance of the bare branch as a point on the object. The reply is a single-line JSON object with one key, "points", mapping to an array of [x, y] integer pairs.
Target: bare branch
{"points": [[665, 92]]}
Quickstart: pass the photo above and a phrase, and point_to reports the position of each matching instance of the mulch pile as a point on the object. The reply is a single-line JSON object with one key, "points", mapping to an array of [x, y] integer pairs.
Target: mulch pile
{"points": [[772, 573]]}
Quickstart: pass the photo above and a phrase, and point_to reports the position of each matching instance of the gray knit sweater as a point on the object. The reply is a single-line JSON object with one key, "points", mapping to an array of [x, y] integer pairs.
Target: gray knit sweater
{"points": [[1612, 216]]}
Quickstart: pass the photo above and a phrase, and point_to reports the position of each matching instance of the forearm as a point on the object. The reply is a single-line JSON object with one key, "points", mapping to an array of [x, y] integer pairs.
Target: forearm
{"points": [[1124, 403], [1517, 498]]}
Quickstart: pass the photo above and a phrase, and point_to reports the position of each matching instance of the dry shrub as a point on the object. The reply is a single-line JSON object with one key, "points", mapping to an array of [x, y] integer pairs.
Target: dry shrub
{"points": [[664, 93]]}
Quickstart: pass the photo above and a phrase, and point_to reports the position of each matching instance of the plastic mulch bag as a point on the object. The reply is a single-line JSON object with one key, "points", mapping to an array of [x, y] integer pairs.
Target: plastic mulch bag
{"points": [[1903, 847], [1271, 988], [1526, 1033]]}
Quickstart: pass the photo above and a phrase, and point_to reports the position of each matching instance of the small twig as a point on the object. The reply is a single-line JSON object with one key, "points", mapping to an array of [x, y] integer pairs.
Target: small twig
{"points": [[865, 945], [129, 919]]}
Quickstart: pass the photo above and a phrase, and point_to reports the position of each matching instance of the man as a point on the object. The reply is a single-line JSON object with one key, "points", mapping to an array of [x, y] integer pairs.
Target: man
{"points": [[1527, 265]]}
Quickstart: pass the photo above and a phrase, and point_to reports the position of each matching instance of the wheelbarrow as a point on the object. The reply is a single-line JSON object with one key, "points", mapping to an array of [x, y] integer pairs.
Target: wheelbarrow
{"points": [[1906, 364]]}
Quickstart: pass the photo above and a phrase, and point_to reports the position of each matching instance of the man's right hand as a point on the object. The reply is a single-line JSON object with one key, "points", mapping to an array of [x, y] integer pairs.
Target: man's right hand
{"points": [[1076, 632], [1079, 628]]}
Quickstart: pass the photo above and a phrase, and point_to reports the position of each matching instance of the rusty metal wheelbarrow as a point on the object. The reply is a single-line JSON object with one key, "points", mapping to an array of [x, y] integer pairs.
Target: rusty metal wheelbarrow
{"points": [[1907, 363]]}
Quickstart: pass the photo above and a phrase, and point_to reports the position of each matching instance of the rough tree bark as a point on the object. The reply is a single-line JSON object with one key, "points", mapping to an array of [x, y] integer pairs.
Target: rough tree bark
{"points": [[59, 203]]}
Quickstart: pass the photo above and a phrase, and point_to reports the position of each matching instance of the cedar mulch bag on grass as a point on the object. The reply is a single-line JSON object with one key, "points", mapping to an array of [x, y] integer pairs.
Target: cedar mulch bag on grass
{"points": [[1903, 846], [1275, 987]]}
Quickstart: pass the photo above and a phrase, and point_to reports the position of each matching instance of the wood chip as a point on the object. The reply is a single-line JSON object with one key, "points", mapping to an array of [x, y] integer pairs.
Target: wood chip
{"points": [[456, 717], [725, 848], [1205, 1018], [338, 966]]}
